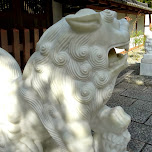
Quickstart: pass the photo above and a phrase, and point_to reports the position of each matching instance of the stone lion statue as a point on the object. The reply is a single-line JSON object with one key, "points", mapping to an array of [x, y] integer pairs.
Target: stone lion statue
{"points": [[59, 102]]}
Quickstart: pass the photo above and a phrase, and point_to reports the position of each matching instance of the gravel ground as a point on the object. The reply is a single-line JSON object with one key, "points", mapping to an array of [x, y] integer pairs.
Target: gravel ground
{"points": [[134, 64], [136, 55], [134, 60]]}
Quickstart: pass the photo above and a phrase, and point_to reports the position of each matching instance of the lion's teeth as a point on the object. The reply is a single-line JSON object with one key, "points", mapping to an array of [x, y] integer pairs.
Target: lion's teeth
{"points": [[119, 50], [122, 48]]}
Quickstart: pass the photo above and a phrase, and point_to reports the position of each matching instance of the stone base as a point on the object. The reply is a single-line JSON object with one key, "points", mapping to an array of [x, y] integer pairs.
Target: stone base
{"points": [[146, 65], [146, 69], [147, 58]]}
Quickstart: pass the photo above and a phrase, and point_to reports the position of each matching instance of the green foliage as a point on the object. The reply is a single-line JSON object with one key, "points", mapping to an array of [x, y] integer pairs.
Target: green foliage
{"points": [[138, 38], [134, 34], [138, 41], [144, 39], [146, 1], [136, 55]]}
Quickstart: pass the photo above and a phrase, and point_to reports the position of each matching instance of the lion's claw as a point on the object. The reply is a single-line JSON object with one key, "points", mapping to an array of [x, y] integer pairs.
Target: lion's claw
{"points": [[119, 118]]}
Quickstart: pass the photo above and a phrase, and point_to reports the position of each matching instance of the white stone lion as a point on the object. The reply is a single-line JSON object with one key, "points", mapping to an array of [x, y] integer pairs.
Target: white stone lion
{"points": [[60, 98]]}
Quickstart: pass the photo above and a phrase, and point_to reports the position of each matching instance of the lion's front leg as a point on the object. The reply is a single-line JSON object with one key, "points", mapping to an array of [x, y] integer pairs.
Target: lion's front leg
{"points": [[109, 142], [73, 129], [81, 139], [76, 135], [110, 127]]}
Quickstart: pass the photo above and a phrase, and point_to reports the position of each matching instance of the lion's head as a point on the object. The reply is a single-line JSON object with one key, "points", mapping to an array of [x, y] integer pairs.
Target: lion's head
{"points": [[75, 62]]}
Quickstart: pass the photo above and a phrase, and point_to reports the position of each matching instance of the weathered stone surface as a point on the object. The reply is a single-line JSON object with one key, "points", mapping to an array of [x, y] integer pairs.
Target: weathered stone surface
{"points": [[147, 58], [141, 132], [147, 148], [62, 94], [120, 79], [130, 86], [146, 62], [149, 121], [146, 68], [137, 115], [138, 94], [118, 90], [143, 105], [118, 100], [135, 145]]}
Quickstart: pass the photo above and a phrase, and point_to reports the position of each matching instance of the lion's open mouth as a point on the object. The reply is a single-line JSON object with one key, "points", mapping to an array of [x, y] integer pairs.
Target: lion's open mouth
{"points": [[116, 57]]}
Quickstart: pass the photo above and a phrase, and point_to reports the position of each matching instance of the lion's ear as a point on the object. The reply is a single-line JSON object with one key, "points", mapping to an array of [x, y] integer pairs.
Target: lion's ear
{"points": [[85, 23]]}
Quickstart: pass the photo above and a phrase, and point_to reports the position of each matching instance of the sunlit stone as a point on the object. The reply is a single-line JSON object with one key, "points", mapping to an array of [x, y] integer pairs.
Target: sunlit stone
{"points": [[146, 62], [60, 98]]}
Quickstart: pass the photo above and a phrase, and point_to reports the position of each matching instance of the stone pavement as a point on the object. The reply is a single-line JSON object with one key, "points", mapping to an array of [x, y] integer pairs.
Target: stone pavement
{"points": [[134, 93]]}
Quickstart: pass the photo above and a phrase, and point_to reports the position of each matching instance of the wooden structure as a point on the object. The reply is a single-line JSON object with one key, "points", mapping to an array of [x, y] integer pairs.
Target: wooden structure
{"points": [[22, 24], [22, 44], [122, 6], [24, 21], [25, 14], [131, 9]]}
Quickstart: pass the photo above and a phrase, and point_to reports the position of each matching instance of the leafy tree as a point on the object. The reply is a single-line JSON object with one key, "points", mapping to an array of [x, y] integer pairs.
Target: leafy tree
{"points": [[146, 1]]}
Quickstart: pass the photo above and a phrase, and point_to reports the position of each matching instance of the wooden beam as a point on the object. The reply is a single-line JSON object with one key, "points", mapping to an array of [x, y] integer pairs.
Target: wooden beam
{"points": [[16, 45], [26, 45], [99, 8], [115, 5], [4, 40], [123, 6], [95, 7], [36, 38], [149, 21], [130, 8], [93, 1], [103, 2], [10, 47]]}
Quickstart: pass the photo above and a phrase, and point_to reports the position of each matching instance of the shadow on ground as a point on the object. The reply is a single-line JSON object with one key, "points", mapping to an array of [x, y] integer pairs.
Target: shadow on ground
{"points": [[134, 94]]}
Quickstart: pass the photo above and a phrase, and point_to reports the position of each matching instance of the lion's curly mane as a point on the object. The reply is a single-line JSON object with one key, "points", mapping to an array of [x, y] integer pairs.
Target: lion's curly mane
{"points": [[65, 65]]}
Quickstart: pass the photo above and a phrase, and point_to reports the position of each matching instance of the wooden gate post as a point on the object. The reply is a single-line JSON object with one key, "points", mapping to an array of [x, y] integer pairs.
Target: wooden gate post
{"points": [[16, 46], [4, 39], [26, 45], [36, 38]]}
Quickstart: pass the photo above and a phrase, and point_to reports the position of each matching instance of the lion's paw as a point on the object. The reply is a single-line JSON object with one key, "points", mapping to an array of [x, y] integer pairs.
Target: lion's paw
{"points": [[28, 145], [119, 119], [113, 120]]}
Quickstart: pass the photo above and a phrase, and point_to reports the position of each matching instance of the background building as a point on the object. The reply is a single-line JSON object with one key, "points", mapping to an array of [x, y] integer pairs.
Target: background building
{"points": [[24, 21]]}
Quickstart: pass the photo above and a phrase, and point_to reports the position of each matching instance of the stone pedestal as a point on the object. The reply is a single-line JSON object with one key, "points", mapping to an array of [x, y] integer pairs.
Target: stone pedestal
{"points": [[146, 62], [146, 65]]}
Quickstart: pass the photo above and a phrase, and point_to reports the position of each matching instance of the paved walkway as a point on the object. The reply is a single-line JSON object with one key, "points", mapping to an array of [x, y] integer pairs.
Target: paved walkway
{"points": [[134, 93]]}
